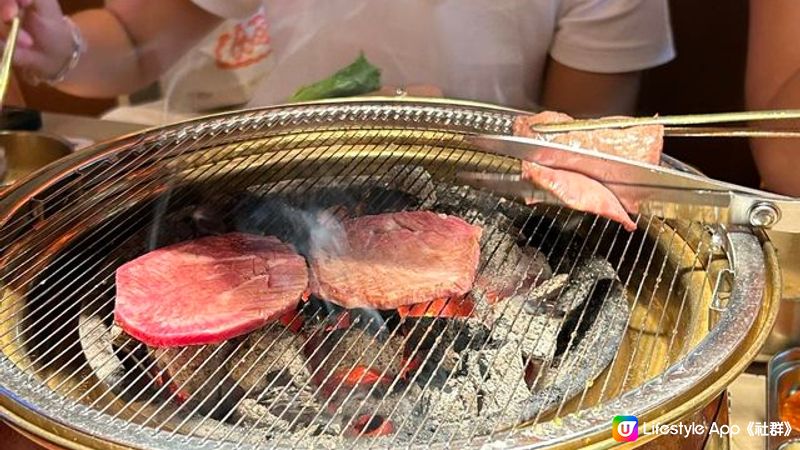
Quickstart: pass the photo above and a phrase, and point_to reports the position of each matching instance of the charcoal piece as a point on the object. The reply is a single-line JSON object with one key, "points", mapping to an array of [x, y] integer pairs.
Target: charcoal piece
{"points": [[344, 359], [114, 357], [413, 180], [252, 413], [542, 299], [437, 343], [578, 321], [535, 333], [195, 377], [278, 217], [581, 282], [270, 357], [537, 267], [561, 240], [461, 200], [458, 332], [209, 219], [499, 374], [457, 401], [505, 267], [583, 363], [289, 408]]}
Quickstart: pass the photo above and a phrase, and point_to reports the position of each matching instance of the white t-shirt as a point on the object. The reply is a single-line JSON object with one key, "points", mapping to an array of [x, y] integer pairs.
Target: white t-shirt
{"points": [[486, 50]]}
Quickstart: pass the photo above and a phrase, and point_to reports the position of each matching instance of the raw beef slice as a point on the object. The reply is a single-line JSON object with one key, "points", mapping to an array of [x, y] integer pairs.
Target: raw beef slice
{"points": [[561, 178], [391, 260], [641, 143], [208, 290]]}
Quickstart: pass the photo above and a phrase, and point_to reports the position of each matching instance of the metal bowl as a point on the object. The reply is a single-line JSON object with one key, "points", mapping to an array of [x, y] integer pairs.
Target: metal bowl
{"points": [[26, 152]]}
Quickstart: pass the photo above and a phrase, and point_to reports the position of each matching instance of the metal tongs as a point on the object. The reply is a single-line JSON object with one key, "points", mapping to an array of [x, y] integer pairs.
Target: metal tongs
{"points": [[8, 56], [658, 191]]}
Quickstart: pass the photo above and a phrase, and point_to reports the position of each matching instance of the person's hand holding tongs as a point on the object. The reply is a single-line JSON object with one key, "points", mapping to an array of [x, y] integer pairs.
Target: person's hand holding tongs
{"points": [[577, 177]]}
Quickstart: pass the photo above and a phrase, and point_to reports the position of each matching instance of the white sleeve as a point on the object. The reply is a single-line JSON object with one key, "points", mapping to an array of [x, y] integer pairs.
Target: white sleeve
{"points": [[611, 36], [230, 9]]}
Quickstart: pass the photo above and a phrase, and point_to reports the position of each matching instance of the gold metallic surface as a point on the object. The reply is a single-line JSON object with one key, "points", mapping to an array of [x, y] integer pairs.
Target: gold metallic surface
{"points": [[27, 152]]}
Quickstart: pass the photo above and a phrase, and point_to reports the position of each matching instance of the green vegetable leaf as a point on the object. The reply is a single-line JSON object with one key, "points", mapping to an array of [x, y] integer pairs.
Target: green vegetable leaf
{"points": [[358, 78]]}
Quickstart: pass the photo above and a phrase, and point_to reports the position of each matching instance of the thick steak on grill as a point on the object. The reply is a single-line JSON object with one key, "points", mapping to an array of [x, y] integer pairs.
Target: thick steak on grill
{"points": [[561, 178], [208, 290], [390, 260]]}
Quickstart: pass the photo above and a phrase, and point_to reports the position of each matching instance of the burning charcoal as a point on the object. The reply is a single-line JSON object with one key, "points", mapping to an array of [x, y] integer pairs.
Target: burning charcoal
{"points": [[292, 405], [506, 268], [499, 374], [113, 355], [433, 346], [414, 180], [191, 373], [370, 425], [542, 299], [565, 293], [578, 321], [457, 401], [582, 281], [589, 356], [268, 357], [535, 333], [473, 203], [345, 359], [251, 413]]}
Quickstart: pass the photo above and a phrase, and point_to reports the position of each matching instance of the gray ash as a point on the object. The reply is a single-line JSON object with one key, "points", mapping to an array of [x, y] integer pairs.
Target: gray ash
{"points": [[268, 358], [196, 378]]}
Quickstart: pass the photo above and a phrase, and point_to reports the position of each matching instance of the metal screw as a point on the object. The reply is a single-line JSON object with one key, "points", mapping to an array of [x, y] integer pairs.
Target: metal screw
{"points": [[764, 215]]}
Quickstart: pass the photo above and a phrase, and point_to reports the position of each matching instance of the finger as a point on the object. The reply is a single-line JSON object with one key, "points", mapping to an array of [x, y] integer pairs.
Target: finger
{"points": [[8, 11], [25, 58], [24, 39], [47, 8]]}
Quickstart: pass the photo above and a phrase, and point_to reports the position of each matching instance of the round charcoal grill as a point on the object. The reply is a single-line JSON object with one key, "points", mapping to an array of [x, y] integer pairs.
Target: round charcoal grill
{"points": [[586, 322]]}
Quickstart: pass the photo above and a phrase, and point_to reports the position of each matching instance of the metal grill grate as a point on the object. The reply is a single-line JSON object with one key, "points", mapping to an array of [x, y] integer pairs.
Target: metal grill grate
{"points": [[624, 339]]}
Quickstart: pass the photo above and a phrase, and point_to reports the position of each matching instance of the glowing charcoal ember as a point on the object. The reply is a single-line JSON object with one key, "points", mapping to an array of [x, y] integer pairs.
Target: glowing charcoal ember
{"points": [[448, 307], [345, 359], [368, 425], [348, 379], [292, 320], [193, 375], [410, 365], [268, 358]]}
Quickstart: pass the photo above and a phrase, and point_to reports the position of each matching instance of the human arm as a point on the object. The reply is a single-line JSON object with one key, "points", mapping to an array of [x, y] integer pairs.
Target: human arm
{"points": [[773, 82], [581, 93], [130, 43], [598, 51]]}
